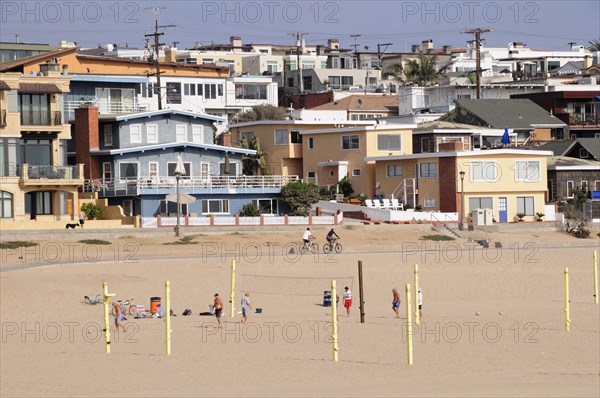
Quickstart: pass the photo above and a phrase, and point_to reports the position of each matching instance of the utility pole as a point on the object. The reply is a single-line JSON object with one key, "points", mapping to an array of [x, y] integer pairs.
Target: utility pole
{"points": [[156, 46], [355, 45], [379, 52], [477, 32], [299, 48]]}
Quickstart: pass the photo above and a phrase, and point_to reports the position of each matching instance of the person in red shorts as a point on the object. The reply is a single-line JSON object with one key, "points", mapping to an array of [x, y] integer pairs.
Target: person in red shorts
{"points": [[347, 300]]}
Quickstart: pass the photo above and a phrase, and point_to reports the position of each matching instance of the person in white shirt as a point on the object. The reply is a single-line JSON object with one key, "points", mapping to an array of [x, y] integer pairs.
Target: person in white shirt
{"points": [[347, 297], [307, 236], [420, 302]]}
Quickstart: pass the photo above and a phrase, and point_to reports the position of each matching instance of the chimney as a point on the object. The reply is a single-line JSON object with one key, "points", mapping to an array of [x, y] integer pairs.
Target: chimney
{"points": [[171, 54], [235, 42], [225, 139], [333, 44], [447, 49], [427, 45], [87, 138]]}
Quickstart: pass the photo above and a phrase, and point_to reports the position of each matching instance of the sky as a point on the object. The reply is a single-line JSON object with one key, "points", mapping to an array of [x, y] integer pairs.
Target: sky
{"points": [[543, 25]]}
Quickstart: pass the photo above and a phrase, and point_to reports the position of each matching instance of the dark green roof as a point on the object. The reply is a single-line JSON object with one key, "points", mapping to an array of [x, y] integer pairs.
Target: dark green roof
{"points": [[511, 113], [557, 147], [592, 145]]}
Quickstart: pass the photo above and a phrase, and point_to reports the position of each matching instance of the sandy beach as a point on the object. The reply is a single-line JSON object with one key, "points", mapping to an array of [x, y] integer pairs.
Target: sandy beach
{"points": [[493, 320]]}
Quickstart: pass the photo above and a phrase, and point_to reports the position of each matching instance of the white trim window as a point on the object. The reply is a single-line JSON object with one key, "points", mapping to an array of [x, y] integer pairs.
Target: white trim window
{"points": [[484, 171], [429, 202], [350, 142], [394, 170], [583, 153], [181, 132], [526, 205], [427, 170], [198, 133], [215, 206], [107, 170], [128, 171], [171, 166], [584, 186], [311, 143], [389, 142], [108, 137], [570, 187], [596, 185], [204, 171], [152, 133], [281, 137], [266, 206], [527, 171], [153, 170], [355, 172], [135, 133]]}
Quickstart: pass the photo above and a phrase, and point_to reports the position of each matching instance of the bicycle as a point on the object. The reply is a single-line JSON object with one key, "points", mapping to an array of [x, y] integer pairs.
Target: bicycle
{"points": [[332, 246], [127, 307], [312, 247]]}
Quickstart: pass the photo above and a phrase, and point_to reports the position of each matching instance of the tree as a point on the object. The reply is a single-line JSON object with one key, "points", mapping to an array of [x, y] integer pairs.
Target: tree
{"points": [[263, 112], [416, 71], [594, 45], [253, 164], [299, 197], [344, 187]]}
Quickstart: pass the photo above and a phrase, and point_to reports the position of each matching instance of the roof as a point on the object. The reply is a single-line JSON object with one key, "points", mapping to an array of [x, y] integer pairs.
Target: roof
{"points": [[184, 144], [10, 65], [514, 113], [450, 154], [441, 125], [557, 147], [138, 115], [370, 103], [568, 163], [303, 122], [592, 145], [39, 88]]}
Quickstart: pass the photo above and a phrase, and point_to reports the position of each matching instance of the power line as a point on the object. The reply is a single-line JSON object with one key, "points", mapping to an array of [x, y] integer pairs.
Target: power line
{"points": [[157, 46], [355, 45], [299, 48], [477, 32]]}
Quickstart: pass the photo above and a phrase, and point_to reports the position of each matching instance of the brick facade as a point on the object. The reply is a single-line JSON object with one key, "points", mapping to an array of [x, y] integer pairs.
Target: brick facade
{"points": [[87, 138], [449, 197]]}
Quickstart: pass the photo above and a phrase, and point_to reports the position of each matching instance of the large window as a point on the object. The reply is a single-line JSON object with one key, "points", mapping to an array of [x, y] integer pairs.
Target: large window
{"points": [[173, 93], [266, 206], [215, 206], [247, 135], [481, 203], [6, 204], [35, 109], [8, 156], [250, 91], [427, 170], [43, 202], [135, 134], [128, 171], [347, 81], [232, 169], [210, 91], [394, 170], [115, 100], [152, 133], [272, 67], [172, 166], [36, 152], [484, 171], [389, 142], [525, 205], [169, 209], [350, 142], [527, 171], [281, 137]]}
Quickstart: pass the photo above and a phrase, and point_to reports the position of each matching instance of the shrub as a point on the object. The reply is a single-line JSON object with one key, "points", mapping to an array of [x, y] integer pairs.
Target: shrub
{"points": [[344, 187], [91, 210], [16, 244], [299, 197], [250, 210], [94, 242]]}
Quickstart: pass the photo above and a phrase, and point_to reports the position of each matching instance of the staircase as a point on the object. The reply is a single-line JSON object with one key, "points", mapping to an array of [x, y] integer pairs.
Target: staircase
{"points": [[406, 192]]}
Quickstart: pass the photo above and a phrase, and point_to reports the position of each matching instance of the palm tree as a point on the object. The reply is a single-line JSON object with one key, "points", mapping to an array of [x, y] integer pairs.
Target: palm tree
{"points": [[253, 164], [594, 45], [418, 72]]}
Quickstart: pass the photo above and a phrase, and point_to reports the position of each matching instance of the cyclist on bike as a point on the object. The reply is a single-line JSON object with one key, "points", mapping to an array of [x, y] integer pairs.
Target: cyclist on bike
{"points": [[307, 236], [330, 237]]}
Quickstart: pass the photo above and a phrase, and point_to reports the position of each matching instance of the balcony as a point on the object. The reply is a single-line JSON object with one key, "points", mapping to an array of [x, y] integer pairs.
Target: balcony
{"points": [[105, 108], [584, 120], [43, 118], [191, 185], [31, 175]]}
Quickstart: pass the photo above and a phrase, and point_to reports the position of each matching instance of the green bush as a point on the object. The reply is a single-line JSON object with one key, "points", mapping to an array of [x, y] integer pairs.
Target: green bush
{"points": [[299, 197], [344, 187], [94, 242], [91, 210], [250, 210], [16, 244]]}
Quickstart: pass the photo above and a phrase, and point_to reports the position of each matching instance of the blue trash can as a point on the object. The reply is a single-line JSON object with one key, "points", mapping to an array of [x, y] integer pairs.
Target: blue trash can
{"points": [[326, 298]]}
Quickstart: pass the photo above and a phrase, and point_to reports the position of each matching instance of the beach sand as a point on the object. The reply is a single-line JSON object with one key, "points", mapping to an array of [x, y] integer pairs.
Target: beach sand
{"points": [[493, 319]]}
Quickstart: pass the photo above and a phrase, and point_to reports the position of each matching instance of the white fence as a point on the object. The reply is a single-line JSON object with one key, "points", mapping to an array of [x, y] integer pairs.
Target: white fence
{"points": [[152, 222], [388, 215]]}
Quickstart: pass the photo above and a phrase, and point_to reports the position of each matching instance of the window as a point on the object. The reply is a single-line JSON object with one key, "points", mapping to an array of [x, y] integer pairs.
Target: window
{"points": [[108, 141], [311, 174], [525, 204], [527, 171], [334, 82], [199, 91], [481, 203], [232, 169], [429, 202], [128, 171], [247, 135], [583, 153], [210, 91], [350, 142], [484, 171], [43, 202], [266, 206], [152, 133], [427, 170], [6, 204], [272, 67], [296, 137], [215, 206], [107, 170], [389, 142], [250, 91], [394, 170], [173, 93], [307, 82], [308, 64], [153, 170], [35, 109], [281, 137], [292, 65], [189, 89], [169, 209], [135, 134], [198, 133], [355, 172], [596, 185], [311, 142], [584, 186], [204, 170], [220, 90], [323, 64], [425, 144], [36, 152], [570, 186], [290, 82], [181, 132], [172, 166], [347, 81]]}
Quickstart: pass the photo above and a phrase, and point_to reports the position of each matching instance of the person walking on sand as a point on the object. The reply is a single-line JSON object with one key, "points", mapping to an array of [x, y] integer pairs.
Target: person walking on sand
{"points": [[396, 302], [246, 307], [81, 218], [347, 296], [420, 302], [120, 317], [218, 307]]}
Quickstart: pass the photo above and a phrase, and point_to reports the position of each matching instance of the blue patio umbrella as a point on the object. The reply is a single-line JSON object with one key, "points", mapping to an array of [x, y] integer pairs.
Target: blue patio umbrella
{"points": [[505, 137]]}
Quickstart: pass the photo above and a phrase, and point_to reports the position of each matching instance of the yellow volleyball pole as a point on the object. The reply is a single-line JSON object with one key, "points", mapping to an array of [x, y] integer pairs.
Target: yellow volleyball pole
{"points": [[596, 276], [334, 322], [107, 297], [416, 272], [232, 297], [168, 317], [567, 312], [409, 326]]}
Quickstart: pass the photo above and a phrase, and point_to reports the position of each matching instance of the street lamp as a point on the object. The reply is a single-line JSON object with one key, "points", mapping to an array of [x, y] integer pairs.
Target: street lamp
{"points": [[461, 225], [177, 177]]}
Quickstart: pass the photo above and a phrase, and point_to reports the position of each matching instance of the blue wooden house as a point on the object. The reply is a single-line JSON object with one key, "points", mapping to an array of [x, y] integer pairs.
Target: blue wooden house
{"points": [[131, 160]]}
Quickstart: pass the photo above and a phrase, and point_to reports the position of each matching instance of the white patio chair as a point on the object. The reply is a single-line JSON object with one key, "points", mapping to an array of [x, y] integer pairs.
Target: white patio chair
{"points": [[369, 203], [396, 205], [385, 204], [377, 203]]}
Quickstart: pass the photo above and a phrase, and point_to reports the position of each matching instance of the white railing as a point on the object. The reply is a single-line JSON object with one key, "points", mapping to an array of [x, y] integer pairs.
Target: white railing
{"points": [[105, 108], [188, 185], [151, 222]]}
